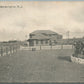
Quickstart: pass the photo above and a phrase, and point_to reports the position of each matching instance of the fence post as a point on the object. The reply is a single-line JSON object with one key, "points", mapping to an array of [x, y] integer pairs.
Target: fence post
{"points": [[61, 46], [13, 49], [40, 47], [1, 51], [51, 46], [16, 48], [72, 46], [6, 51], [10, 50]]}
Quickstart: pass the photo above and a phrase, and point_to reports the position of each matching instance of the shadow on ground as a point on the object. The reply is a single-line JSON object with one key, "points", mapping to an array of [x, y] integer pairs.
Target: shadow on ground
{"points": [[65, 58]]}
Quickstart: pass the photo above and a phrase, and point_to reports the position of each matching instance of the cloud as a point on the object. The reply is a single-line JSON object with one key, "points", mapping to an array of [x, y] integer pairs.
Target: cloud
{"points": [[78, 14], [57, 16]]}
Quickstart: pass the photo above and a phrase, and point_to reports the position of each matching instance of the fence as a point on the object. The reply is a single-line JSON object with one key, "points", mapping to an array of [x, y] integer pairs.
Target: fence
{"points": [[8, 50], [47, 47]]}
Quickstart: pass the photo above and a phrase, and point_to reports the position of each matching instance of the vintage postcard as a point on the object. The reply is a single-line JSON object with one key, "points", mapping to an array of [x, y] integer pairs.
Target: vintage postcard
{"points": [[41, 41]]}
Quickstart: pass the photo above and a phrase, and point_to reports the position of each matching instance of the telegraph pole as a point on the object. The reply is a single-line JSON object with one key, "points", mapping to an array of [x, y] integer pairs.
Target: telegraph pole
{"points": [[68, 34]]}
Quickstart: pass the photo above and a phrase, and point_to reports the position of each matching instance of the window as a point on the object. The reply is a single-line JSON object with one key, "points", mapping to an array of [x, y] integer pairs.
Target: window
{"points": [[50, 35], [41, 41], [36, 41], [55, 41], [46, 41]]}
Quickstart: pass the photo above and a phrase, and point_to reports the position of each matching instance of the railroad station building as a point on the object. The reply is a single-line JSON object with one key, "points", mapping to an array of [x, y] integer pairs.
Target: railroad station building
{"points": [[43, 38]]}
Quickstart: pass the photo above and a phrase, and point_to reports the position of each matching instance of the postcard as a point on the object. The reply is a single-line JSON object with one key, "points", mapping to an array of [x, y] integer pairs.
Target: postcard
{"points": [[42, 41]]}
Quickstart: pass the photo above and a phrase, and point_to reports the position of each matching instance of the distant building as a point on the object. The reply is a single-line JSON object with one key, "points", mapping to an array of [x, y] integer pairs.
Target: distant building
{"points": [[43, 38]]}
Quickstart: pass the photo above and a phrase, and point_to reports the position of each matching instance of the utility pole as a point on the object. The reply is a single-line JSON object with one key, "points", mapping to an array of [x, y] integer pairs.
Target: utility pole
{"points": [[68, 34]]}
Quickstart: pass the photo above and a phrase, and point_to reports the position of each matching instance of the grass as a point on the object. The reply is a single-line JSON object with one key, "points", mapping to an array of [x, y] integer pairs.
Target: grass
{"points": [[44, 65]]}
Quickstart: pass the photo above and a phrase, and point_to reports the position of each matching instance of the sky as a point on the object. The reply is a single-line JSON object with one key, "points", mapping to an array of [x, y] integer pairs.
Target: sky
{"points": [[61, 17]]}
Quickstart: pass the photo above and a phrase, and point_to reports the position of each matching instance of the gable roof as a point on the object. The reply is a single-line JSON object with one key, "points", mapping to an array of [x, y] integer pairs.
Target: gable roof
{"points": [[44, 32]]}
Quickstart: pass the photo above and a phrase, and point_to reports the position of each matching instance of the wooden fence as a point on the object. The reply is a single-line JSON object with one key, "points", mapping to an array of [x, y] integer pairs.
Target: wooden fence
{"points": [[8, 50], [33, 48]]}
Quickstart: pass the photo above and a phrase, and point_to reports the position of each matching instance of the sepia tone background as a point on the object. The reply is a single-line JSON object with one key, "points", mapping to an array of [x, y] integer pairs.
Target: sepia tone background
{"points": [[20, 62]]}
